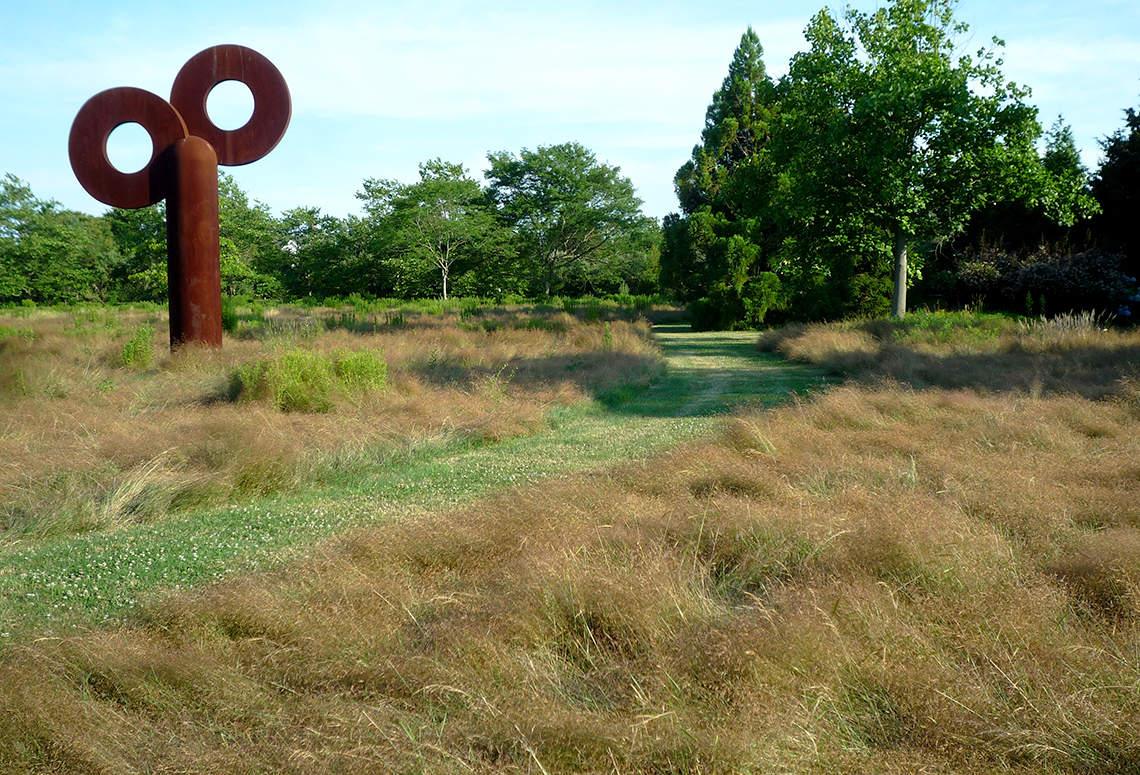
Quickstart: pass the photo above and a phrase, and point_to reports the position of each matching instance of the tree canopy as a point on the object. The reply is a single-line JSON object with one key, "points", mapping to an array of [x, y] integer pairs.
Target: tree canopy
{"points": [[1116, 187], [807, 194], [573, 215], [910, 138], [711, 255], [48, 254], [443, 221]]}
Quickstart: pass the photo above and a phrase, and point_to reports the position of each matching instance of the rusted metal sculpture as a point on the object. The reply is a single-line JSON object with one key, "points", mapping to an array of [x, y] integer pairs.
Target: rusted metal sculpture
{"points": [[183, 169]]}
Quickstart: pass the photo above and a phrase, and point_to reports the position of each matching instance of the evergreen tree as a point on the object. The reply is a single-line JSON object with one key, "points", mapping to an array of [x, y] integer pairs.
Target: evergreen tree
{"points": [[712, 253], [1117, 190]]}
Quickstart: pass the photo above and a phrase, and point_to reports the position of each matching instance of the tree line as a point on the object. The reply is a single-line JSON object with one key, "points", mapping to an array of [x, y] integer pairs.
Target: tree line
{"points": [[550, 220], [889, 167], [886, 162]]}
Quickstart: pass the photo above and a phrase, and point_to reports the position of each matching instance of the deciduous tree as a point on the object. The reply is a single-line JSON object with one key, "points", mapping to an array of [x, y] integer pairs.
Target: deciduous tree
{"points": [[572, 213], [141, 238], [889, 134], [434, 225], [48, 254]]}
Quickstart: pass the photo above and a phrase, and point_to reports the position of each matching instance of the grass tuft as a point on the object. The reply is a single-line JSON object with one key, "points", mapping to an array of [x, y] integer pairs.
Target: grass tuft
{"points": [[294, 381], [138, 352]]}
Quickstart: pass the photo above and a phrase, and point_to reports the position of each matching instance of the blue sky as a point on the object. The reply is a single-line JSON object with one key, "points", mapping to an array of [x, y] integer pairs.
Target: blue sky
{"points": [[379, 87]]}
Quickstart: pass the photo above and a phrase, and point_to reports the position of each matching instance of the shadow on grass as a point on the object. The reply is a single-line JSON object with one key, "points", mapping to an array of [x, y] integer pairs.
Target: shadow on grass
{"points": [[711, 373], [592, 372], [1090, 372], [702, 374], [1005, 364]]}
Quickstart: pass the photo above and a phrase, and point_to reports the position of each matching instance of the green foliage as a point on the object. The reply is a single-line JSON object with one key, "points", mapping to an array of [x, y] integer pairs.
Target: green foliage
{"points": [[1059, 215], [56, 256], [578, 220], [554, 218], [713, 255], [50, 255], [362, 371], [25, 333], [138, 352], [319, 256], [294, 381], [737, 128], [1066, 196], [250, 239], [441, 236], [887, 135], [442, 225], [140, 235], [882, 138], [298, 380], [1117, 189], [230, 317]]}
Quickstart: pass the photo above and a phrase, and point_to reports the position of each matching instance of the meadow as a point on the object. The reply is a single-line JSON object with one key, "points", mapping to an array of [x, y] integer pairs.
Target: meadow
{"points": [[103, 428], [931, 565]]}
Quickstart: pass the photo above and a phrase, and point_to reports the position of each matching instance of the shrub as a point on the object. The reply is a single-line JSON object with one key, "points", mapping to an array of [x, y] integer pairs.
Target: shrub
{"points": [[229, 314], [732, 307], [24, 332], [302, 381], [1048, 280]]}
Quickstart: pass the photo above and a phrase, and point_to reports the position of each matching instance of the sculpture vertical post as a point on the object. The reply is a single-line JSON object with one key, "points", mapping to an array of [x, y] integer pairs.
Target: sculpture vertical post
{"points": [[193, 245]]}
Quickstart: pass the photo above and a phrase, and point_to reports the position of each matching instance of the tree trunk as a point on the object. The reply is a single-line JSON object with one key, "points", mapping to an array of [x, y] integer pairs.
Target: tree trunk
{"points": [[443, 271], [898, 303]]}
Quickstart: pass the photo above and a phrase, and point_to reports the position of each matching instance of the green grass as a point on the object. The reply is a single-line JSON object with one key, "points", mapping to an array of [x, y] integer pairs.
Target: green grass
{"points": [[138, 352]]}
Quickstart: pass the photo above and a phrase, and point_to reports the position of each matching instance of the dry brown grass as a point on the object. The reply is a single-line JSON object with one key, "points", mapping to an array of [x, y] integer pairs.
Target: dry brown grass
{"points": [[877, 580], [988, 353], [88, 443]]}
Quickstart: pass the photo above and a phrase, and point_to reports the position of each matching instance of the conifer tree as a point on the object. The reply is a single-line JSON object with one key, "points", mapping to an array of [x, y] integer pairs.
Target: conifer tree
{"points": [[712, 252]]}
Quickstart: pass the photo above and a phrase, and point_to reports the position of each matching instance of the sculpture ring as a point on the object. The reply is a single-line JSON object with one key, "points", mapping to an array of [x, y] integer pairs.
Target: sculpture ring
{"points": [[87, 145], [272, 107]]}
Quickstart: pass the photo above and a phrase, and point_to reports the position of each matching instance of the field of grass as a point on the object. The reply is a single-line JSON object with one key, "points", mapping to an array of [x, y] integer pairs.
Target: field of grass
{"points": [[933, 567], [102, 428], [51, 584]]}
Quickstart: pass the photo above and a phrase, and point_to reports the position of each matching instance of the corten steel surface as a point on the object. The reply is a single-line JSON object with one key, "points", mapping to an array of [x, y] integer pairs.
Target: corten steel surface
{"points": [[183, 169], [271, 113], [193, 261], [87, 145]]}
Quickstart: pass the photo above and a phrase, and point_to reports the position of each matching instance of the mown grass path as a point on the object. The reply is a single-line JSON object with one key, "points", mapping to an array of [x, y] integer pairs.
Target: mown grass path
{"points": [[54, 587]]}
